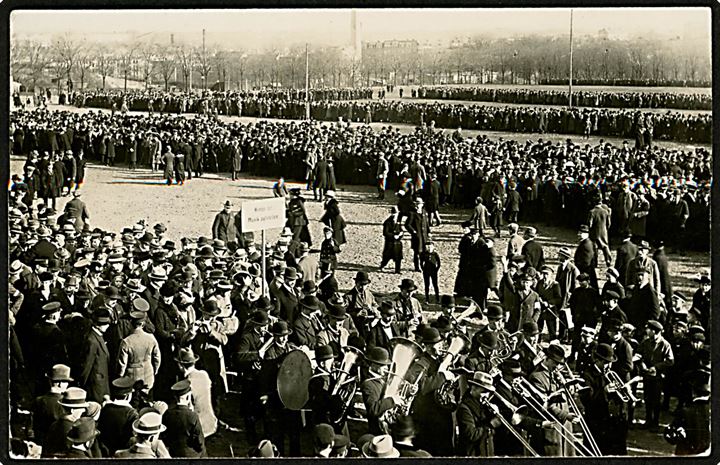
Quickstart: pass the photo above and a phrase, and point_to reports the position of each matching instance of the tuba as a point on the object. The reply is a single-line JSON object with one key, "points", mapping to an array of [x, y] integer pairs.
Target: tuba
{"points": [[346, 384], [409, 364], [448, 395]]}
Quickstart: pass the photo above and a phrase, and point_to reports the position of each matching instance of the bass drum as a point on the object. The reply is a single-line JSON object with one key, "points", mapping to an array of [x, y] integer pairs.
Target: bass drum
{"points": [[293, 378]]}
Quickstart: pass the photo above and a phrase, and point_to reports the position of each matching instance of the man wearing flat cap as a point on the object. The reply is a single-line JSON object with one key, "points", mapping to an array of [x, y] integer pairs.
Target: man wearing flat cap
{"points": [[139, 354], [184, 435], [654, 356], [117, 416]]}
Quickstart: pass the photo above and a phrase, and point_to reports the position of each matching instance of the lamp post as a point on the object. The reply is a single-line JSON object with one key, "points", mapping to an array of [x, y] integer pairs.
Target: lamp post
{"points": [[571, 60]]}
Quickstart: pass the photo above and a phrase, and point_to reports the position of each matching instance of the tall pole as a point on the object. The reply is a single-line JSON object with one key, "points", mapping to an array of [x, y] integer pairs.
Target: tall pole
{"points": [[204, 63], [571, 59], [307, 82]]}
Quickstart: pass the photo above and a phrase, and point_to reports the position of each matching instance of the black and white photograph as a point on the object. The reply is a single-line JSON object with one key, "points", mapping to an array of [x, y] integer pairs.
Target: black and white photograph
{"points": [[359, 232]]}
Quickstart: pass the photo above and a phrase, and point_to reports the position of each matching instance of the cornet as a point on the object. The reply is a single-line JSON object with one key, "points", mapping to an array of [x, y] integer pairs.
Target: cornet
{"points": [[623, 390]]}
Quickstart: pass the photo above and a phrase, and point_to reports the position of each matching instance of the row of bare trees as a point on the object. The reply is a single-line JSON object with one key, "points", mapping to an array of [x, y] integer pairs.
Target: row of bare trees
{"points": [[78, 64]]}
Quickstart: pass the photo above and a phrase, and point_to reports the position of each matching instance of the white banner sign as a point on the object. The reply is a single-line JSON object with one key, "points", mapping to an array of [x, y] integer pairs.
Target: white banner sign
{"points": [[258, 215]]}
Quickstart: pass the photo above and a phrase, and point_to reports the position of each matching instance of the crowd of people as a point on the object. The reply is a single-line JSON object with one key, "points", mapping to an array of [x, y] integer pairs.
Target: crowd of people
{"points": [[656, 193], [643, 127], [581, 98], [145, 336], [236, 103]]}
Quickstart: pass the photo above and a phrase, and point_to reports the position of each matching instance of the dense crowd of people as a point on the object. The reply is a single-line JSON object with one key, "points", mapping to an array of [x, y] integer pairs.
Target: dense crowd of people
{"points": [[643, 127], [666, 193], [581, 98], [236, 103], [141, 335]]}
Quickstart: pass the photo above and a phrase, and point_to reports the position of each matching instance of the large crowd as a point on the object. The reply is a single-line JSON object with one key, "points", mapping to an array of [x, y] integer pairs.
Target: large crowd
{"points": [[238, 103], [581, 98], [144, 337], [669, 196], [644, 128]]}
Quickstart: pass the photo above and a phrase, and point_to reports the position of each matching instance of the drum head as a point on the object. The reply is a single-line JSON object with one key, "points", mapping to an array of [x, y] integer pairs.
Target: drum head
{"points": [[293, 379]]}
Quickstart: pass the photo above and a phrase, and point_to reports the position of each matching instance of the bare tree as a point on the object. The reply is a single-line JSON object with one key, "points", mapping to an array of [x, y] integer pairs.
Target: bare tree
{"points": [[147, 54], [103, 62], [28, 61], [166, 64], [203, 64], [185, 60], [66, 52]]}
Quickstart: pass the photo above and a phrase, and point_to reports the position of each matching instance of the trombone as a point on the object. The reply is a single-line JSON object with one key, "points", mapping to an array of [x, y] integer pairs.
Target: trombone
{"points": [[539, 402], [513, 409], [576, 410]]}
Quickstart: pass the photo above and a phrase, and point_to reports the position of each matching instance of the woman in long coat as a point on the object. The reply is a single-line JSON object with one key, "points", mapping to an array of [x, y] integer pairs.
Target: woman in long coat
{"points": [[334, 219]]}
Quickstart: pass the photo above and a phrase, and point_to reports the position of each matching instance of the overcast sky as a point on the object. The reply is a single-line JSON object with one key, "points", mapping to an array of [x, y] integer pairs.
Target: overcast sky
{"points": [[256, 28]]}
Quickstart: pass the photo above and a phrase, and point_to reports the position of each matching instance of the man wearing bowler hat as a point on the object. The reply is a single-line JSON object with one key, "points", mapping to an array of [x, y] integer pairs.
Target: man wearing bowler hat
{"points": [[361, 304], [80, 439], [418, 225], [307, 325], [382, 330], [403, 432], [372, 388], [53, 350], [47, 408], [547, 441], [605, 412], [248, 358], [95, 369], [287, 298], [409, 310], [335, 333], [586, 258]]}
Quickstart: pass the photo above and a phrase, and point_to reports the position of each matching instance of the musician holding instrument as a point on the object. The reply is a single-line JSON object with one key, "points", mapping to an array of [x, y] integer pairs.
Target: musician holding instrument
{"points": [[335, 333], [307, 325], [248, 355], [481, 359], [549, 441], [583, 356], [477, 418], [373, 387], [506, 442], [361, 304], [434, 422], [382, 330], [606, 403], [409, 310], [280, 422], [550, 300], [528, 349], [325, 406]]}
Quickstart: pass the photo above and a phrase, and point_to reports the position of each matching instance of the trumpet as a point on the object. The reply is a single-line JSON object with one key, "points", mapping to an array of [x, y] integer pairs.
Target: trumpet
{"points": [[623, 390], [508, 424]]}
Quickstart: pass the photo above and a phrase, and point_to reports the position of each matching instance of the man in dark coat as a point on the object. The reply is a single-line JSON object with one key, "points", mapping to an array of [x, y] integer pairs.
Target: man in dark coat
{"points": [[393, 247], [382, 329], [224, 225], [320, 185], [297, 219], [117, 416], [333, 218], [236, 159], [533, 252], [95, 368], [372, 389], [53, 350], [47, 409], [586, 255], [666, 287], [74, 403], [418, 225], [625, 254], [643, 304], [477, 418], [184, 434], [462, 279], [599, 225]]}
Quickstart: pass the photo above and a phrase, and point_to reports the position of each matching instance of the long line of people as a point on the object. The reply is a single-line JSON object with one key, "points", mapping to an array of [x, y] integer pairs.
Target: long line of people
{"points": [[581, 98], [644, 127]]}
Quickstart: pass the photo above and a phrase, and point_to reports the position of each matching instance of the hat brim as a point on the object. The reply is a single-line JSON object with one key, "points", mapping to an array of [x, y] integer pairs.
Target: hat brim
{"points": [[487, 387], [180, 360]]}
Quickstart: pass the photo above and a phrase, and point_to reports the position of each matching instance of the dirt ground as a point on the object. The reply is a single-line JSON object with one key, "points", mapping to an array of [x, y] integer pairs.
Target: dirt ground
{"points": [[118, 197]]}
